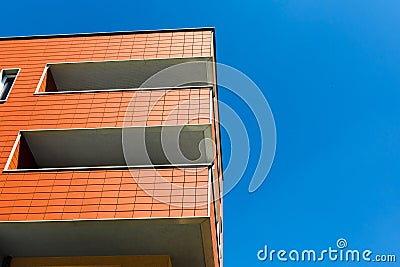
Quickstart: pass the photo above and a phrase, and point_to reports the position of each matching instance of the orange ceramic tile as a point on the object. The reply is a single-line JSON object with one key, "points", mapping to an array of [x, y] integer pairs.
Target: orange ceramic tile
{"points": [[141, 213], [106, 214], [89, 208], [88, 215], [34, 216]]}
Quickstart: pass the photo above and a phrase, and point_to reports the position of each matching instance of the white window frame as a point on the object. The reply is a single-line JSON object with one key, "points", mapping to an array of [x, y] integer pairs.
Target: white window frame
{"points": [[3, 81]]}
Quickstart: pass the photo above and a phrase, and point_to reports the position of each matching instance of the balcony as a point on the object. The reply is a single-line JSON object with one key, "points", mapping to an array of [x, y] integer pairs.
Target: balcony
{"points": [[185, 241], [75, 149], [124, 75], [121, 212]]}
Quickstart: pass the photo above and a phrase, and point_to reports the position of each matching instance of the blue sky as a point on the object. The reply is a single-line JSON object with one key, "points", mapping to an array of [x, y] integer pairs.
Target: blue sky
{"points": [[330, 72]]}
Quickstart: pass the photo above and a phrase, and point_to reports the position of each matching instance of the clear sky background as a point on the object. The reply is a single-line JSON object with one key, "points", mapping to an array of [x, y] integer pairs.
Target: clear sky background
{"points": [[331, 73]]}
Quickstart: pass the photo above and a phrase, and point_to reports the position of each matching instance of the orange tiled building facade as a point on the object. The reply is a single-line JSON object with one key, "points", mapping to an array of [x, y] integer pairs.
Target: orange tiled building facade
{"points": [[78, 183]]}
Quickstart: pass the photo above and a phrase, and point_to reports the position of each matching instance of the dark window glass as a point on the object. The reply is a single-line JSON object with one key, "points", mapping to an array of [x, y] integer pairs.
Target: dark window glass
{"points": [[6, 87]]}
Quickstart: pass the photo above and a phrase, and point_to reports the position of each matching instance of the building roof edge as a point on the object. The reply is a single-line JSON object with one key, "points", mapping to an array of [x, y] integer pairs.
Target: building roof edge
{"points": [[67, 35]]}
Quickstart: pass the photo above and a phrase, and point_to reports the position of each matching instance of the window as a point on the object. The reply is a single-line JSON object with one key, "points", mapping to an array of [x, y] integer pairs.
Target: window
{"points": [[7, 80]]}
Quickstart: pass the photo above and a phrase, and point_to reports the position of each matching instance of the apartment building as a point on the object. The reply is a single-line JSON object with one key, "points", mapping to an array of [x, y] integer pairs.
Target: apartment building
{"points": [[110, 150]]}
